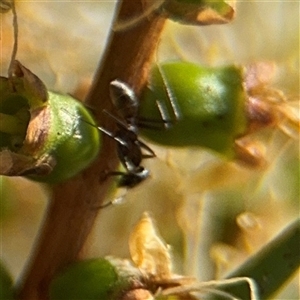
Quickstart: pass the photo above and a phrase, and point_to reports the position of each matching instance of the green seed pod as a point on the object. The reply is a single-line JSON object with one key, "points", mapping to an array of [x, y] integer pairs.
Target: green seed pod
{"points": [[43, 135], [6, 284], [94, 279], [204, 106], [66, 138]]}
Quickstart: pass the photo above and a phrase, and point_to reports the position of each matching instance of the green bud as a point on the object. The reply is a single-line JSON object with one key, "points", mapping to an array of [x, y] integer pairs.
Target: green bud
{"points": [[94, 279], [205, 106], [65, 134], [43, 135]]}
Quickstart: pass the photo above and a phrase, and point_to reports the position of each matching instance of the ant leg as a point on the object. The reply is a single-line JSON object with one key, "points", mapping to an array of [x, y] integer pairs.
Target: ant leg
{"points": [[113, 136], [150, 154], [115, 200], [115, 173], [107, 174], [173, 101], [124, 175], [156, 124], [166, 119]]}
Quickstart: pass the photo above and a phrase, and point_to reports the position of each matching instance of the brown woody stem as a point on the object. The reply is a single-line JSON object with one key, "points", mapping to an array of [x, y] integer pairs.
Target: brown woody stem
{"points": [[72, 209]]}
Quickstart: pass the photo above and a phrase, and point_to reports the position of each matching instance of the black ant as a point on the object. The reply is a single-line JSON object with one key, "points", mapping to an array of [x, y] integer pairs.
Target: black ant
{"points": [[130, 148]]}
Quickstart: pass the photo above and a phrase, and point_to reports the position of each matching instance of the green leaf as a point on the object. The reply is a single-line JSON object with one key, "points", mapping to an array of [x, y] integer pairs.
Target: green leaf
{"points": [[28, 85], [272, 266]]}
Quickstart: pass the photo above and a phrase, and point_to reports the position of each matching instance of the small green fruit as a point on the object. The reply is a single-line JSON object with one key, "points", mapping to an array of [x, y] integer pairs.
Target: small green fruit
{"points": [[205, 106], [94, 279], [43, 135], [68, 134]]}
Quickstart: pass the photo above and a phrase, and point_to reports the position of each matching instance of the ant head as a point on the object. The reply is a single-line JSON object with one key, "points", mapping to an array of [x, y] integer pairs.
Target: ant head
{"points": [[124, 99]]}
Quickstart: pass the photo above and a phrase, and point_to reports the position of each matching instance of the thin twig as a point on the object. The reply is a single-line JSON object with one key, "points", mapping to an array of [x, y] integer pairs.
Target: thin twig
{"points": [[16, 32]]}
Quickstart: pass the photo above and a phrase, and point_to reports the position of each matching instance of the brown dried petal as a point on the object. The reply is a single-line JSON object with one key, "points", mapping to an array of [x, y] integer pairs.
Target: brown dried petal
{"points": [[149, 251], [26, 83], [14, 164]]}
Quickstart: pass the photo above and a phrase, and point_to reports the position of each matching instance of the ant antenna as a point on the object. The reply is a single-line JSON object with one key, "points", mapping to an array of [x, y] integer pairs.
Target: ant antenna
{"points": [[118, 121]]}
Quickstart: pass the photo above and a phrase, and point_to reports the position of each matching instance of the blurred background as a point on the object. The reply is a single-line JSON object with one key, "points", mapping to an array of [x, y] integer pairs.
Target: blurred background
{"points": [[212, 212]]}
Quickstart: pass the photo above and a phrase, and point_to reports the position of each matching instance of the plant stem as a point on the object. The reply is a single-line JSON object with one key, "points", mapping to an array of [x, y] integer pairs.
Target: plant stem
{"points": [[73, 207]]}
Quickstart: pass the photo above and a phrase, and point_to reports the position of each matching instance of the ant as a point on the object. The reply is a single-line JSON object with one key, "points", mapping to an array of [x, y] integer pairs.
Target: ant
{"points": [[130, 148]]}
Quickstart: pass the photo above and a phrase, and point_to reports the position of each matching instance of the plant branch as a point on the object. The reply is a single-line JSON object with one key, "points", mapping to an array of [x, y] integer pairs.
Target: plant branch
{"points": [[73, 207]]}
